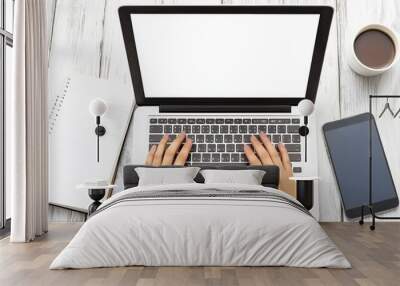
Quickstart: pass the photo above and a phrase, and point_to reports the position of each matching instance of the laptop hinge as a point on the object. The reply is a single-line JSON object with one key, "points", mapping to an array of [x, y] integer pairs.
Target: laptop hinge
{"points": [[225, 108]]}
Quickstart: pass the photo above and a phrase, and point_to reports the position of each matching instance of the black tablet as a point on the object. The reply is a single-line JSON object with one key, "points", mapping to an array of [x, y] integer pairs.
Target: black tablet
{"points": [[347, 141]]}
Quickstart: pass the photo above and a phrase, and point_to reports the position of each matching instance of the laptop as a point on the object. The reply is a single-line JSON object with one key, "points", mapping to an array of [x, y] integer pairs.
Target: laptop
{"points": [[224, 73]]}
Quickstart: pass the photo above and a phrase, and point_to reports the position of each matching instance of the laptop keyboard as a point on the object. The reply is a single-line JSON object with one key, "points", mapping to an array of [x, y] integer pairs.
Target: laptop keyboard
{"points": [[221, 140]]}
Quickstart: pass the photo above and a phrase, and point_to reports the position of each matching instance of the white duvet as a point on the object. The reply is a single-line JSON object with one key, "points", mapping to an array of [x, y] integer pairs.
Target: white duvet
{"points": [[200, 231]]}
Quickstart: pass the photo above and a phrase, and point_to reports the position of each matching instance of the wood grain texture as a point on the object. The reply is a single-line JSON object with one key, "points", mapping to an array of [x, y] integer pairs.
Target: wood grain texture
{"points": [[375, 258], [327, 107], [50, 14], [108, 60], [77, 36], [57, 214], [114, 65], [354, 89], [87, 37]]}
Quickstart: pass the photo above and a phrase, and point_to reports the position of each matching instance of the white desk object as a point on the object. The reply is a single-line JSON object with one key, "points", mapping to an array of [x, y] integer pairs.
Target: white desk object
{"points": [[72, 138], [94, 187]]}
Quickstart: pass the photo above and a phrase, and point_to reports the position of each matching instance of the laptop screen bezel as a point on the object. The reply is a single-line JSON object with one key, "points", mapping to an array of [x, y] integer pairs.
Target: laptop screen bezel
{"points": [[325, 18]]}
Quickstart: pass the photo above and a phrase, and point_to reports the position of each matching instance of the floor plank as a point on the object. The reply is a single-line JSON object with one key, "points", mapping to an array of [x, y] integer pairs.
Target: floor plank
{"points": [[375, 257]]}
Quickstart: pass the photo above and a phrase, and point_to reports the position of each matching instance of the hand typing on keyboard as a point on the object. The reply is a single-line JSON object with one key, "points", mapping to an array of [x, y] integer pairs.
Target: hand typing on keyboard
{"points": [[266, 154], [262, 152], [162, 155]]}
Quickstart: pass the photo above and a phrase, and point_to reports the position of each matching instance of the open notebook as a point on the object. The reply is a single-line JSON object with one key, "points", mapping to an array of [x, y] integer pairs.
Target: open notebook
{"points": [[72, 140]]}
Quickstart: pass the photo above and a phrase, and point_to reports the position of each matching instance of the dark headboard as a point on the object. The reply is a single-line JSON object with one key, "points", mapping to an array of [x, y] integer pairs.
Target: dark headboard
{"points": [[270, 179]]}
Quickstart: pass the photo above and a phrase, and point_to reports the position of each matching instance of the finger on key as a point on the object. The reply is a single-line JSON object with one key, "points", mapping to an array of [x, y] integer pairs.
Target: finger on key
{"points": [[251, 157], [261, 151], [158, 156], [273, 153], [171, 151], [150, 155], [287, 165], [184, 153]]}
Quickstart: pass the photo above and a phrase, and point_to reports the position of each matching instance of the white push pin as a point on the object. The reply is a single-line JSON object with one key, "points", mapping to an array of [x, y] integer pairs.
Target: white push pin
{"points": [[305, 108]]}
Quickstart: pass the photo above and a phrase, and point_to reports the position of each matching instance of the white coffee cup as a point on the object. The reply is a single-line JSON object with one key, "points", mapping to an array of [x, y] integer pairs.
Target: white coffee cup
{"points": [[361, 68]]}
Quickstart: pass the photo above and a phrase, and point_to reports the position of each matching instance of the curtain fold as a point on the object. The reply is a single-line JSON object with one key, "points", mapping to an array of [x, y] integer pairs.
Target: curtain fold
{"points": [[28, 123]]}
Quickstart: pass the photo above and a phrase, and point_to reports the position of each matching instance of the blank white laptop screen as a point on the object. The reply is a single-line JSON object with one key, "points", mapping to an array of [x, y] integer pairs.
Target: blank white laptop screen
{"points": [[225, 55]]}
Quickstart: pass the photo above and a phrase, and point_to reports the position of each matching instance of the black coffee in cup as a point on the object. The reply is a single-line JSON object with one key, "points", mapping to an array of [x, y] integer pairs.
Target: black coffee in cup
{"points": [[375, 49]]}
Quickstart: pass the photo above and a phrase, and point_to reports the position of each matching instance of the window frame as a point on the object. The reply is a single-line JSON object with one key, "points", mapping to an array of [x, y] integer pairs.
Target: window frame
{"points": [[6, 39]]}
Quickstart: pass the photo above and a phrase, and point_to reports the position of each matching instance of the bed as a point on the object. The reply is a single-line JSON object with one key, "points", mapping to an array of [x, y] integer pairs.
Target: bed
{"points": [[201, 224]]}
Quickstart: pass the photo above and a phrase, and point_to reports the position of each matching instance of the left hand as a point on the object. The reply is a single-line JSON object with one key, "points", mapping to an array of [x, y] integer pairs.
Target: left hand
{"points": [[161, 155]]}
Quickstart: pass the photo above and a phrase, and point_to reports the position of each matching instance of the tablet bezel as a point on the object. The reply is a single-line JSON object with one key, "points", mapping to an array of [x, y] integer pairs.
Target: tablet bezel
{"points": [[325, 13], [378, 206]]}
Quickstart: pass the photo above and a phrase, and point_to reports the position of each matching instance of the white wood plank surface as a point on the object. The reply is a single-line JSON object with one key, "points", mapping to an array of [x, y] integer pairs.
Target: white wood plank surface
{"points": [[86, 35], [327, 108], [75, 33], [50, 14], [355, 89], [81, 39], [77, 36], [115, 64]]}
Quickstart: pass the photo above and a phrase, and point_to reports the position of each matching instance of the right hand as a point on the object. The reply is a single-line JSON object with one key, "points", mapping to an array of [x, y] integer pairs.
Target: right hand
{"points": [[160, 155], [268, 155]]}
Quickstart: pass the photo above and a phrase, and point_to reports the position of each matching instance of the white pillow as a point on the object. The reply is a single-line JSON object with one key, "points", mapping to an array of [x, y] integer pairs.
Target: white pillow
{"points": [[166, 176], [248, 177]]}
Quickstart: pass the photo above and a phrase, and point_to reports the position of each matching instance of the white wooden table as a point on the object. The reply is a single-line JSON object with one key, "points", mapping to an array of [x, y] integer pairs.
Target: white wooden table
{"points": [[85, 35]]}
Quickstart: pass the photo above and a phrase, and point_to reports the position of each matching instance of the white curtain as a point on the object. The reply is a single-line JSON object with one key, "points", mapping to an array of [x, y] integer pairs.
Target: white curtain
{"points": [[28, 125]]}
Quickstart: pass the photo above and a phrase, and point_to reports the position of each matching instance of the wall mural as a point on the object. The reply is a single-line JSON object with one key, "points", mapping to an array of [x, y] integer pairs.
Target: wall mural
{"points": [[85, 36]]}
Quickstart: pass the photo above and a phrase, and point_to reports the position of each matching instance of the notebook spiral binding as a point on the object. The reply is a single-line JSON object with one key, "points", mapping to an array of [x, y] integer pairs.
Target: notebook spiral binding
{"points": [[57, 105]]}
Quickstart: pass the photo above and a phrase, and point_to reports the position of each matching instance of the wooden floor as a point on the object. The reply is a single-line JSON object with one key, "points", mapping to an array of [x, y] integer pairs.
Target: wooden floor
{"points": [[375, 257]]}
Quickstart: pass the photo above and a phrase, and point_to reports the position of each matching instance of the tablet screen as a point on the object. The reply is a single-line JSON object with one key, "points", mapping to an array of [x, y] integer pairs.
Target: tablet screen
{"points": [[225, 55], [348, 145]]}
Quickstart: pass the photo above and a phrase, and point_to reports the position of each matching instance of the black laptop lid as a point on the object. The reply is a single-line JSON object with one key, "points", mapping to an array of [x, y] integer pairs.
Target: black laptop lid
{"points": [[214, 55]]}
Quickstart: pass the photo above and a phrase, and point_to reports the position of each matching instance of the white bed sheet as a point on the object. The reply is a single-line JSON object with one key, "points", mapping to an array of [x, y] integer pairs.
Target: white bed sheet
{"points": [[200, 231]]}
